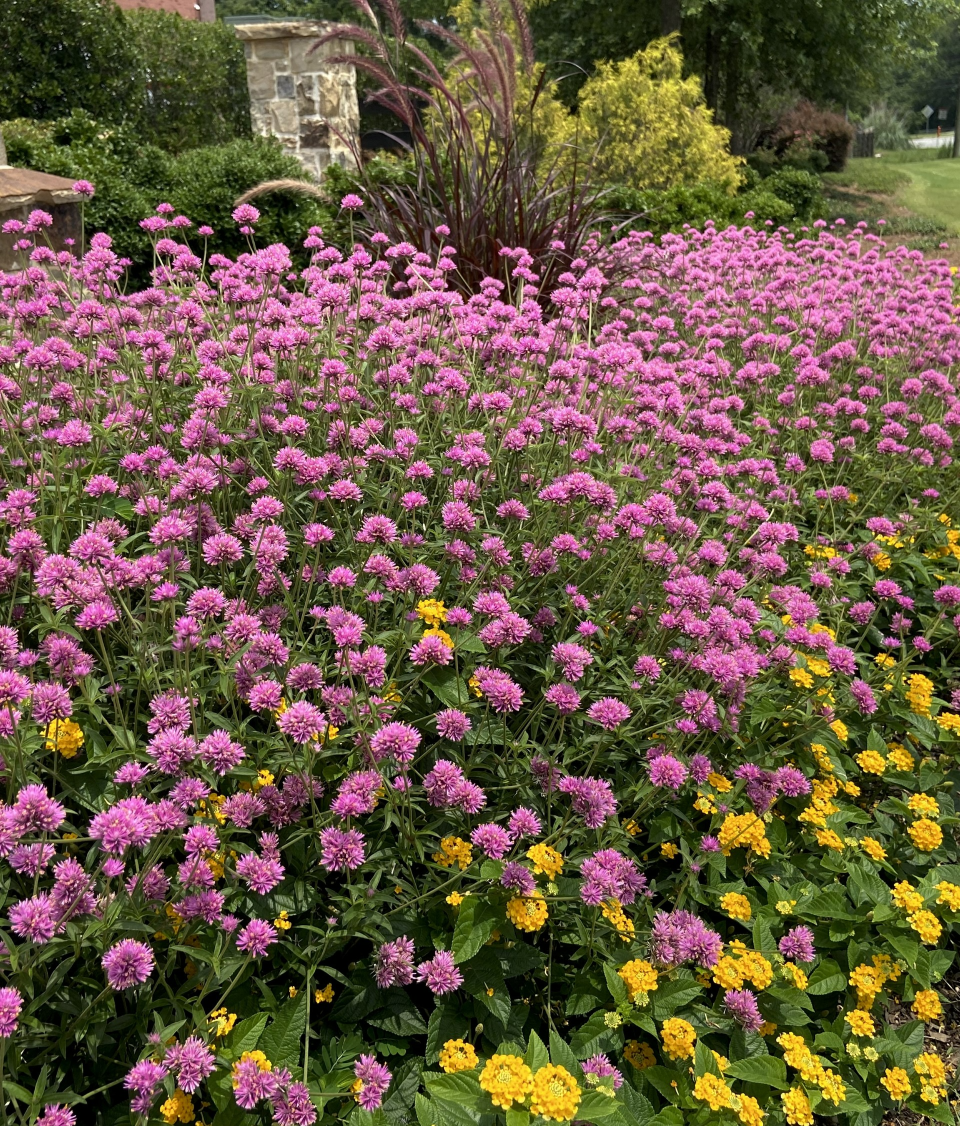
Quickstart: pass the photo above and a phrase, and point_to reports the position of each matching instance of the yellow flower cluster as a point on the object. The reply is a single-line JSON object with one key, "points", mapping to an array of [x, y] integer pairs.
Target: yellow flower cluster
{"points": [[323, 996], [742, 965], [65, 737], [926, 1005], [871, 762], [546, 860], [927, 926], [949, 895], [612, 910], [949, 721], [821, 805], [897, 1083], [555, 1094], [445, 638], [924, 805], [639, 977], [458, 1055], [906, 897], [178, 1108], [434, 613], [868, 981], [899, 757], [453, 850], [925, 834], [223, 1020], [711, 1089], [801, 678], [527, 912], [932, 1073], [743, 830], [737, 906], [507, 1080], [919, 694], [861, 1023], [798, 1056], [796, 1107], [678, 1037], [639, 1054], [873, 848], [797, 977]]}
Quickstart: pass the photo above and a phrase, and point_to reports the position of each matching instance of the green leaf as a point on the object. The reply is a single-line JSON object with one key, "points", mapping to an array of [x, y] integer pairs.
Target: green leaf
{"points": [[536, 1055], [635, 1109], [246, 1034], [281, 1041], [476, 922], [831, 903], [518, 1117], [446, 1023], [616, 985], [459, 1087], [826, 978], [562, 1054], [594, 1036], [594, 1106], [770, 1071], [704, 1061], [671, 996]]}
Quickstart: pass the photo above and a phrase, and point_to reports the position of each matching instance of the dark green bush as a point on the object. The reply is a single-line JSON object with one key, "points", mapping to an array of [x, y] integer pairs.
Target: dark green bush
{"points": [[179, 82], [194, 80], [64, 54], [802, 190]]}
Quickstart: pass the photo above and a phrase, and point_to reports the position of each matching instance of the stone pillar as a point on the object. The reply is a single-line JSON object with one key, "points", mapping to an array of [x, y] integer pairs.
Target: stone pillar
{"points": [[298, 95]]}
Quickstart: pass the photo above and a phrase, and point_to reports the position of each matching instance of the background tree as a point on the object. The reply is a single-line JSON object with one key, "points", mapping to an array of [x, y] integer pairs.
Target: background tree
{"points": [[60, 55]]}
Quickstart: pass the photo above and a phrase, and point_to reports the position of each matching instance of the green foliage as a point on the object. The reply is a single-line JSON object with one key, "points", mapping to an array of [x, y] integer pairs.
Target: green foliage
{"points": [[65, 54], [194, 80], [788, 197], [178, 82], [640, 123], [889, 127], [131, 178]]}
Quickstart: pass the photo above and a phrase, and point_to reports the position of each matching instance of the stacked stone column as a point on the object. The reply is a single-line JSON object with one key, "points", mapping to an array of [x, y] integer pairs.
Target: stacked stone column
{"points": [[298, 95]]}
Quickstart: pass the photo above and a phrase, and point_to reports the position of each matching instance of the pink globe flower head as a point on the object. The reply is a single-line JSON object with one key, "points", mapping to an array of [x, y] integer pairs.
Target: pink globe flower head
{"points": [[127, 964]]}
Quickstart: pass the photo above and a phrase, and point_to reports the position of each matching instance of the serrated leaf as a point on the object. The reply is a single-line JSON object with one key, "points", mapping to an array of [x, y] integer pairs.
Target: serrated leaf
{"points": [[476, 922], [246, 1034], [562, 1054], [281, 1041], [826, 978], [536, 1055], [770, 1071]]}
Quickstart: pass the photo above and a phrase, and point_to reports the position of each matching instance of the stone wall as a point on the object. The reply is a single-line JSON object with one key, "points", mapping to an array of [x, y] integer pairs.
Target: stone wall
{"points": [[298, 95]]}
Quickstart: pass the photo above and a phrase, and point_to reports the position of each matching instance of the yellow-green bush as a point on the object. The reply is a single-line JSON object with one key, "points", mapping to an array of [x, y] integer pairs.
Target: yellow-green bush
{"points": [[641, 124]]}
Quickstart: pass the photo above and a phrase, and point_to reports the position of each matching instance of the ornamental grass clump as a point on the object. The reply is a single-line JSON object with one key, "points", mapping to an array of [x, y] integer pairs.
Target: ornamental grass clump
{"points": [[439, 705]]}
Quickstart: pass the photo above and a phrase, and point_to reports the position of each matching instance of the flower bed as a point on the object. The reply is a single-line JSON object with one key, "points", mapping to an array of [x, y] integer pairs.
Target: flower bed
{"points": [[419, 708]]}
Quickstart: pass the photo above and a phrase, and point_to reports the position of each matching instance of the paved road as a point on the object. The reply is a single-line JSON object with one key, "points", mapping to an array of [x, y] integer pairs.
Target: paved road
{"points": [[932, 142]]}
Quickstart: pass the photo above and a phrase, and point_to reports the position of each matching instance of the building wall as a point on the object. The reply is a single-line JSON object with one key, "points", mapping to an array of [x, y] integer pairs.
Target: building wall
{"points": [[189, 9]]}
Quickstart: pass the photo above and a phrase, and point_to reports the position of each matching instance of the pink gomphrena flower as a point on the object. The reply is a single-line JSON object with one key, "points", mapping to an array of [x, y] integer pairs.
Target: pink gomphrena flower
{"points": [[251, 1085], [192, 1061], [609, 713], [341, 850], [453, 724], [524, 823], [394, 963], [440, 974], [11, 1002], [592, 798], [601, 1068], [492, 840], [246, 213], [351, 202], [395, 740], [56, 1114], [127, 964], [374, 1079], [256, 938], [293, 1106]]}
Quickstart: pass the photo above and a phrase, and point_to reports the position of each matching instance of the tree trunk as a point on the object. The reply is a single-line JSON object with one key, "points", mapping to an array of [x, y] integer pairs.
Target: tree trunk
{"points": [[956, 128], [731, 96], [711, 85], [669, 17]]}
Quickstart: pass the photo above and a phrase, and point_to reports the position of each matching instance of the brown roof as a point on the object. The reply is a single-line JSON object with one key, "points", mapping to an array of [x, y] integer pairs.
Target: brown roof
{"points": [[19, 186]]}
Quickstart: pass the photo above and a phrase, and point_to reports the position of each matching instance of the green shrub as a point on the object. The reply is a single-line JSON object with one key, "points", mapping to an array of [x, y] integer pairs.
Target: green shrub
{"points": [[802, 190], [66, 54], [179, 82], [641, 123], [193, 80], [890, 129]]}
